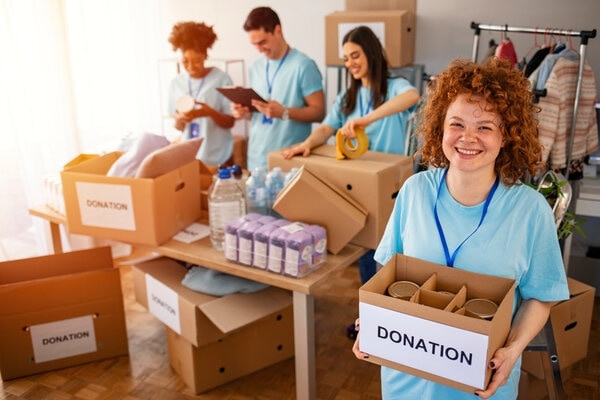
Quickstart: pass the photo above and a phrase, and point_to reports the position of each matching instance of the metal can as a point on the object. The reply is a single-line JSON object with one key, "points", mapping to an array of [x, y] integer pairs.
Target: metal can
{"points": [[402, 289], [481, 308]]}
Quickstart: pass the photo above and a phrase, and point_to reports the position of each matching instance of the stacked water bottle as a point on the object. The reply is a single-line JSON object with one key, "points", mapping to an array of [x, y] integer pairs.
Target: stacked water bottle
{"points": [[275, 244], [262, 188]]}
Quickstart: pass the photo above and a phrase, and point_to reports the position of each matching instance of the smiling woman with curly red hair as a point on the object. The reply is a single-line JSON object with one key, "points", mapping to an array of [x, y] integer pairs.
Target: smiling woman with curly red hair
{"points": [[469, 211], [199, 110]]}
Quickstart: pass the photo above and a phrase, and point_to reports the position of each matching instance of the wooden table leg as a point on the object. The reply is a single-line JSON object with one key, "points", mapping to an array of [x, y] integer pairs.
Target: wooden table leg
{"points": [[304, 346]]}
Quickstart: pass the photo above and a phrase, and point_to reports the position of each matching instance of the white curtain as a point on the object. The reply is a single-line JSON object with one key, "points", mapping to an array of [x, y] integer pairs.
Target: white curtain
{"points": [[76, 76]]}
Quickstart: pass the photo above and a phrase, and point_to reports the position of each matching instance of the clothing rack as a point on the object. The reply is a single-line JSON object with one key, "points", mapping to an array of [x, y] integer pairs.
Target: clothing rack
{"points": [[584, 35]]}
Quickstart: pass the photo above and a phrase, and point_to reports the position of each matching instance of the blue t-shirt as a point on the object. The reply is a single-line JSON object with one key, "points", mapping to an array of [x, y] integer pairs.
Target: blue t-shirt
{"points": [[217, 145], [517, 239], [291, 81], [387, 135]]}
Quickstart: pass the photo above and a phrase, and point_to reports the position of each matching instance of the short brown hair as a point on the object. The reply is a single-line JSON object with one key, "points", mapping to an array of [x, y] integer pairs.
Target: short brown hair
{"points": [[262, 17]]}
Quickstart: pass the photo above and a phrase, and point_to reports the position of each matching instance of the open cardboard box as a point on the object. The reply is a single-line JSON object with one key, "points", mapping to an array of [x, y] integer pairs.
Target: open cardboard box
{"points": [[60, 310], [372, 180], [430, 336], [200, 318], [141, 211], [311, 200], [571, 323]]}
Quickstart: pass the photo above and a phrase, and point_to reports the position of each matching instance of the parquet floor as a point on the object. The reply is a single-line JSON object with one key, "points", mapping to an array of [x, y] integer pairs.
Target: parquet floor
{"points": [[146, 375]]}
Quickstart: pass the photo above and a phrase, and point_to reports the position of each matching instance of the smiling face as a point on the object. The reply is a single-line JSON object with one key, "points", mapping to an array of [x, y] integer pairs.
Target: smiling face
{"points": [[193, 62], [356, 62], [472, 137], [270, 44]]}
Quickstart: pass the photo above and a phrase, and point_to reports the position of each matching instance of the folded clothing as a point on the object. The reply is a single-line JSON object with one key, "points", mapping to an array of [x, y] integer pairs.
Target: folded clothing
{"points": [[127, 165], [218, 283]]}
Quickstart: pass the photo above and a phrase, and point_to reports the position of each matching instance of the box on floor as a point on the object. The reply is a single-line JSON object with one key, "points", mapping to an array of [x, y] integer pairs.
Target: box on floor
{"points": [[59, 311], [371, 180], [431, 336], [145, 211], [571, 323], [342, 217], [203, 330]]}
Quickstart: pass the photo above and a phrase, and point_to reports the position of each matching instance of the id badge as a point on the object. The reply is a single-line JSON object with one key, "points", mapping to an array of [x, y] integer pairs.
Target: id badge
{"points": [[267, 120], [194, 130]]}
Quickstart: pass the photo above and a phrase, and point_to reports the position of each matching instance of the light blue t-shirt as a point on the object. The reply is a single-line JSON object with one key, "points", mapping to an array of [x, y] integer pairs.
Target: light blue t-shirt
{"points": [[387, 135], [517, 239], [217, 145], [296, 78]]}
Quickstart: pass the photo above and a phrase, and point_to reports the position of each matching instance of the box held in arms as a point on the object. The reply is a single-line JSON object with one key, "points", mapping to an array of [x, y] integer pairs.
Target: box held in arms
{"points": [[213, 340], [394, 28], [432, 335], [60, 310], [371, 180], [145, 211], [312, 200], [571, 323]]}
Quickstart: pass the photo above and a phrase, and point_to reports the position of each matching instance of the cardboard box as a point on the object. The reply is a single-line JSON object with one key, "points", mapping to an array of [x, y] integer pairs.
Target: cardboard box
{"points": [[259, 345], [138, 211], [355, 5], [342, 217], [571, 323], [430, 336], [200, 318], [372, 180], [60, 310], [394, 28]]}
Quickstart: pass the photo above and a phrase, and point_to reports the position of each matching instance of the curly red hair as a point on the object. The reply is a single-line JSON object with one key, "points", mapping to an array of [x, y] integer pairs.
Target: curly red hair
{"points": [[192, 36], [506, 92]]}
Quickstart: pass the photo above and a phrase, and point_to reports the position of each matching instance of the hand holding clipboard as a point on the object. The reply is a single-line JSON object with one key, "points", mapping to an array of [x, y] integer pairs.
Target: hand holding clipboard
{"points": [[241, 95]]}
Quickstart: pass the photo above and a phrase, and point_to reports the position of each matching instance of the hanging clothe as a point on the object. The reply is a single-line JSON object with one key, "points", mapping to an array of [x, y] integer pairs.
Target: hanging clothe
{"points": [[506, 50], [556, 116]]}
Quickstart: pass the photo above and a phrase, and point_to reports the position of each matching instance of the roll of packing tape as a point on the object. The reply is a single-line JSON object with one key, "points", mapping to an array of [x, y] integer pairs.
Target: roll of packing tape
{"points": [[351, 147]]}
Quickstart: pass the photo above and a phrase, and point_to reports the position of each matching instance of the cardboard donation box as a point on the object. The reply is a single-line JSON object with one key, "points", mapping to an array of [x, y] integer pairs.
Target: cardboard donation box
{"points": [[394, 28], [214, 340], [432, 335], [571, 323], [342, 217], [146, 211], [371, 180], [60, 310]]}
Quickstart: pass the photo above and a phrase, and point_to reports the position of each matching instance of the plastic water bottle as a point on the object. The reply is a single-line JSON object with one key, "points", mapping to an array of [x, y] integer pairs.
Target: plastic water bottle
{"points": [[256, 192], [274, 184], [288, 177], [225, 203]]}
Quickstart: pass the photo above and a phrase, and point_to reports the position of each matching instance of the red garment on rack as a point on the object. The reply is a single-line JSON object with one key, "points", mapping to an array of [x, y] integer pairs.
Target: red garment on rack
{"points": [[506, 50]]}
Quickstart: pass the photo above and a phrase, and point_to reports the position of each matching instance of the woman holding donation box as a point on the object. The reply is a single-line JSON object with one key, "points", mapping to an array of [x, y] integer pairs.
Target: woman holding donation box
{"points": [[471, 211], [198, 108]]}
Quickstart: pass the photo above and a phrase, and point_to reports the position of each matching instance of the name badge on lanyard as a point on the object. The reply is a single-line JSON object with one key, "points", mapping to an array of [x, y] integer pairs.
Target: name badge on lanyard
{"points": [[266, 120]]}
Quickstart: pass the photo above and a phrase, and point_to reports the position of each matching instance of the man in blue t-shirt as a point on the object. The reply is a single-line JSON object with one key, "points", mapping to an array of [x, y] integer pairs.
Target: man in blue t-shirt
{"points": [[289, 82]]}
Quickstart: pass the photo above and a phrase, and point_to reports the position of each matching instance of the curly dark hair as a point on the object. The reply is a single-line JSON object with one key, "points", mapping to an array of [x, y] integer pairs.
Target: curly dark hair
{"points": [[506, 91], [378, 67], [190, 35]]}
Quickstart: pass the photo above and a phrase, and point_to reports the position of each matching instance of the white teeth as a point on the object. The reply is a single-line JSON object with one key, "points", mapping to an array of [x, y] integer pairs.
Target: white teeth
{"points": [[468, 152]]}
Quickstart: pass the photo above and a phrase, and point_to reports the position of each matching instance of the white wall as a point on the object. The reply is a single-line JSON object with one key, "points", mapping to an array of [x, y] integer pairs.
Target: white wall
{"points": [[443, 26]]}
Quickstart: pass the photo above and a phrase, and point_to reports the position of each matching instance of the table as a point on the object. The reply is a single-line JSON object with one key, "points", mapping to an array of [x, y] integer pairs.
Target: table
{"points": [[202, 253]]}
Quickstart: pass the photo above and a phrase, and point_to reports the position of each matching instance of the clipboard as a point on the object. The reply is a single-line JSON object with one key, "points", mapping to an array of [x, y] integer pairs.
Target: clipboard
{"points": [[241, 95]]}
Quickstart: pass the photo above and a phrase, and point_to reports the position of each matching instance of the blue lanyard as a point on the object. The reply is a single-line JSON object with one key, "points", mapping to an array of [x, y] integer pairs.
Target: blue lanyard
{"points": [[195, 97], [270, 82], [450, 258], [369, 106]]}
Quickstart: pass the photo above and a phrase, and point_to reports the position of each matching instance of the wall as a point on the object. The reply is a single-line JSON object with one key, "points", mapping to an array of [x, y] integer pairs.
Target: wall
{"points": [[443, 27]]}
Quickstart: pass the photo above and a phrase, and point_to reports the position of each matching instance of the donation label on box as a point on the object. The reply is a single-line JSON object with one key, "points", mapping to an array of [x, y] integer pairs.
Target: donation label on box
{"points": [[106, 205], [61, 339], [443, 350], [163, 303]]}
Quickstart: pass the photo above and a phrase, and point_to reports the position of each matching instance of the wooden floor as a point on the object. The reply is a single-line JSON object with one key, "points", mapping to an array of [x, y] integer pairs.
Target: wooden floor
{"points": [[145, 374]]}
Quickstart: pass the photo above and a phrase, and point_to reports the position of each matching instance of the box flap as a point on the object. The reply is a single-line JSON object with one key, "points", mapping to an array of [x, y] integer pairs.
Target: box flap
{"points": [[79, 159], [235, 311], [28, 269], [355, 5], [577, 288]]}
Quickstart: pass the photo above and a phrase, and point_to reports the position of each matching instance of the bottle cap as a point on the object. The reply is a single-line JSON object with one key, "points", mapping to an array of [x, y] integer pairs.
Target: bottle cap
{"points": [[224, 173]]}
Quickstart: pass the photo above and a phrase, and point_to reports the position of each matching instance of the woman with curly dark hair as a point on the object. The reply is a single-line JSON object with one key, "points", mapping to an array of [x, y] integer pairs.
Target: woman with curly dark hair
{"points": [[471, 211], [200, 110]]}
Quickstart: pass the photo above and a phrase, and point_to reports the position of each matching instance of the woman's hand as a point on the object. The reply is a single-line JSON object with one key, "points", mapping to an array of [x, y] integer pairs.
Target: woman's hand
{"points": [[300, 148], [350, 126], [355, 347]]}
